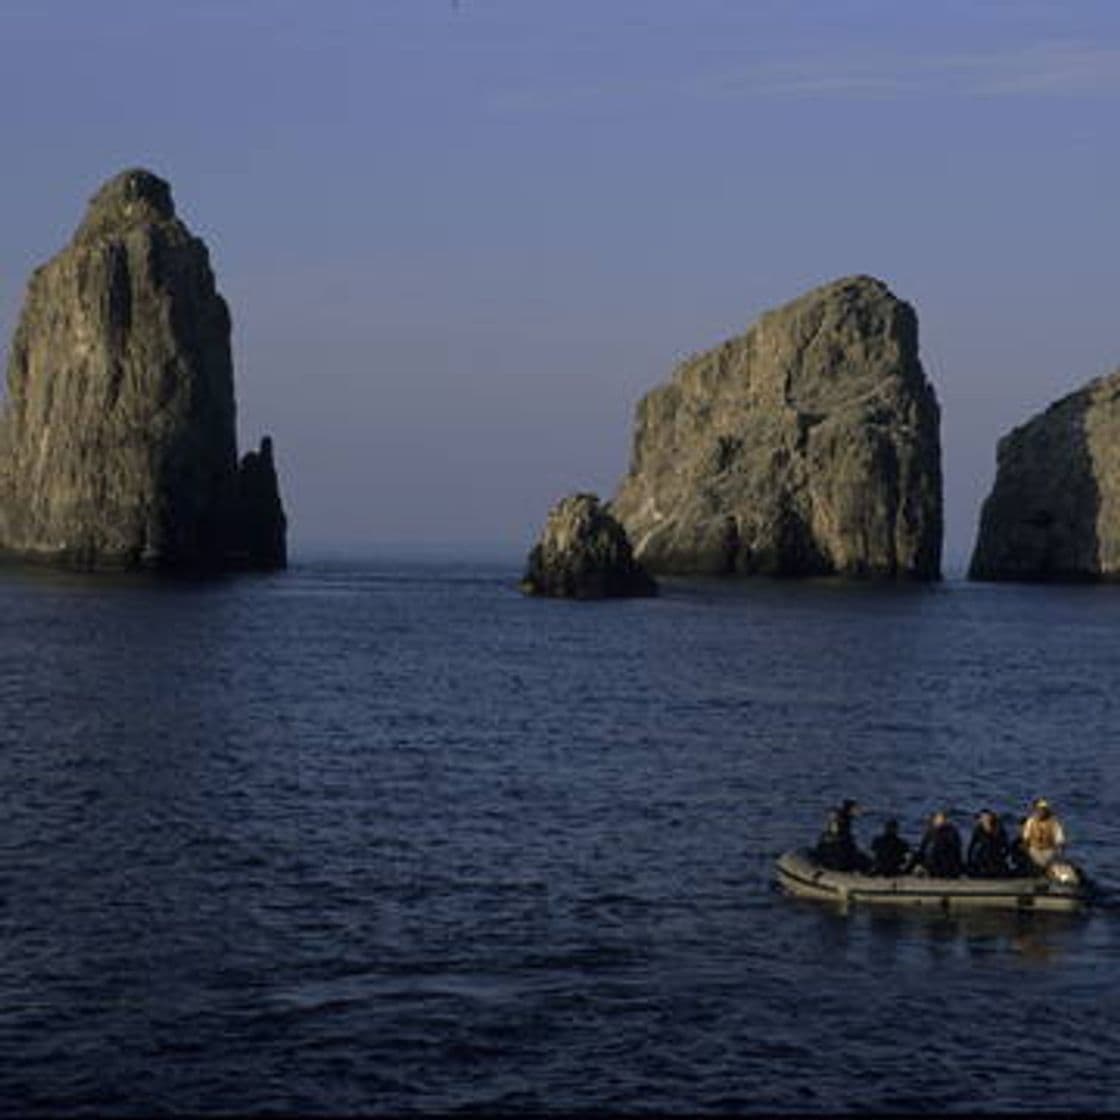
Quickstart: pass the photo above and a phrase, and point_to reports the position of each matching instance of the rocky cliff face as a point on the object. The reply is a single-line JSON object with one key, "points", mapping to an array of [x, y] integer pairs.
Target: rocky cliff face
{"points": [[808, 446], [1054, 510], [117, 442], [583, 553]]}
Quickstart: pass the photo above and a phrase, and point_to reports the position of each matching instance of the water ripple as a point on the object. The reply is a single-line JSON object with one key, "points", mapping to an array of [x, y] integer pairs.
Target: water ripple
{"points": [[393, 839]]}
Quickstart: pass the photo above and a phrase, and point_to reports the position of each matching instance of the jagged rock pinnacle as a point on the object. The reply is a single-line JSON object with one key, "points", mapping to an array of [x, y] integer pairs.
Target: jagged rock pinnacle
{"points": [[117, 442], [132, 198]]}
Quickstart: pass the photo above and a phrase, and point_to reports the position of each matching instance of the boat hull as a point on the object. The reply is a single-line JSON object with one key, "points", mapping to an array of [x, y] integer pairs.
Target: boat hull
{"points": [[800, 875]]}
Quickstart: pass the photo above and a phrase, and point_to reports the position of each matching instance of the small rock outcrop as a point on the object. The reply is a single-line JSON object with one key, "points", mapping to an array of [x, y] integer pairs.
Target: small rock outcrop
{"points": [[117, 442], [808, 446], [583, 553], [262, 528], [1054, 510]]}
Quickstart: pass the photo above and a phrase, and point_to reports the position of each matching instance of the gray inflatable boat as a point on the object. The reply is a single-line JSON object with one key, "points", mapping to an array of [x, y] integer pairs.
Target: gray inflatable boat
{"points": [[1063, 889]]}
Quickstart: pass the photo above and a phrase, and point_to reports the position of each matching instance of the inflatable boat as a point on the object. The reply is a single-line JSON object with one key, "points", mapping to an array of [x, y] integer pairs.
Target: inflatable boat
{"points": [[1063, 889]]}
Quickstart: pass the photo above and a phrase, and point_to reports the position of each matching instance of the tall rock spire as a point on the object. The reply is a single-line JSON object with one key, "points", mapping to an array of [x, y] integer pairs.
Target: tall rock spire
{"points": [[118, 442]]}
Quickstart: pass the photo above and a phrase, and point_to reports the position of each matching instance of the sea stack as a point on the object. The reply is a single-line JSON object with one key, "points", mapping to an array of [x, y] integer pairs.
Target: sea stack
{"points": [[583, 553], [1054, 511], [118, 446], [808, 446]]}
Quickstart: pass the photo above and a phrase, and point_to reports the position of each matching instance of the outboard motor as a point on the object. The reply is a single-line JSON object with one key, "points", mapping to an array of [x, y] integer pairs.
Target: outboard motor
{"points": [[1063, 873]]}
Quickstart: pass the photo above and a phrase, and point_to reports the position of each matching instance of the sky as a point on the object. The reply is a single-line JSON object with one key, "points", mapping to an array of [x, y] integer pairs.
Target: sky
{"points": [[461, 238]]}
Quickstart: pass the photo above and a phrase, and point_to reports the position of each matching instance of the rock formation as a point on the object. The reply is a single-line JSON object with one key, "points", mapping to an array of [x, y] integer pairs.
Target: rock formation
{"points": [[1054, 510], [261, 529], [808, 446], [583, 553], [117, 443]]}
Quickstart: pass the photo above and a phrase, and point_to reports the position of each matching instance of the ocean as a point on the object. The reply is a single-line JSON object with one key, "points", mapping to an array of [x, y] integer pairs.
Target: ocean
{"points": [[385, 836]]}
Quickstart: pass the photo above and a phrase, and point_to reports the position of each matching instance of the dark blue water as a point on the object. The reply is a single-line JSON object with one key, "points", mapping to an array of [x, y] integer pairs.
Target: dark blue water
{"points": [[392, 838]]}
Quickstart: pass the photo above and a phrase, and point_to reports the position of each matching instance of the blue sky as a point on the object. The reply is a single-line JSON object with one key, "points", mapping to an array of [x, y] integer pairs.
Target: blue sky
{"points": [[460, 239]]}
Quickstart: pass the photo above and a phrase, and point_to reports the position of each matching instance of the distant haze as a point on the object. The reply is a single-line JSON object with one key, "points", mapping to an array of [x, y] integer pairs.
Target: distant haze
{"points": [[460, 240]]}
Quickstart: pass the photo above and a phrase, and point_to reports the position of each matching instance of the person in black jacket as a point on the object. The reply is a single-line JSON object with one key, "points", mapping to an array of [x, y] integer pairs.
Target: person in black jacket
{"points": [[988, 850], [829, 851], [940, 850], [837, 848], [891, 854]]}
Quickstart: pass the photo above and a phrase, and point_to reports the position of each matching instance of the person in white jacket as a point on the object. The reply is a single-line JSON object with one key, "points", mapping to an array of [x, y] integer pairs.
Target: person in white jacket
{"points": [[1043, 836]]}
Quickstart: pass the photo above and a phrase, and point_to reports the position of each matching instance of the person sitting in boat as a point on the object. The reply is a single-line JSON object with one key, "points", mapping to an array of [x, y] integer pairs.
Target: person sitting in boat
{"points": [[988, 850], [940, 850], [828, 851], [837, 849], [891, 854], [1042, 835]]}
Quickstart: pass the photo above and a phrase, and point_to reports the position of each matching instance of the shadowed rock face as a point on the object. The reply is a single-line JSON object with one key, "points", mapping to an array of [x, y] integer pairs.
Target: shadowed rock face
{"points": [[117, 442], [261, 527], [1054, 510], [583, 553], [808, 446]]}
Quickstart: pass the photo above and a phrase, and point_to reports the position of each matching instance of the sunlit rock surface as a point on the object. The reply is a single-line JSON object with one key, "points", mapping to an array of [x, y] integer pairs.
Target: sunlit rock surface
{"points": [[808, 446], [1054, 510]]}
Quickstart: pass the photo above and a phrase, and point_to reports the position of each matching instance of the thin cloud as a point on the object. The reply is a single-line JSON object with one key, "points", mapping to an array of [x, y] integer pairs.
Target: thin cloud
{"points": [[1041, 69], [1054, 68], [810, 77]]}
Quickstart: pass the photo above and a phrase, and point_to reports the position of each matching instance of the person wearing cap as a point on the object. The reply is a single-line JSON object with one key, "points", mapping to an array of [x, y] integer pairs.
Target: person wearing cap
{"points": [[837, 848], [988, 850], [829, 852], [891, 854], [1042, 834], [940, 850]]}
